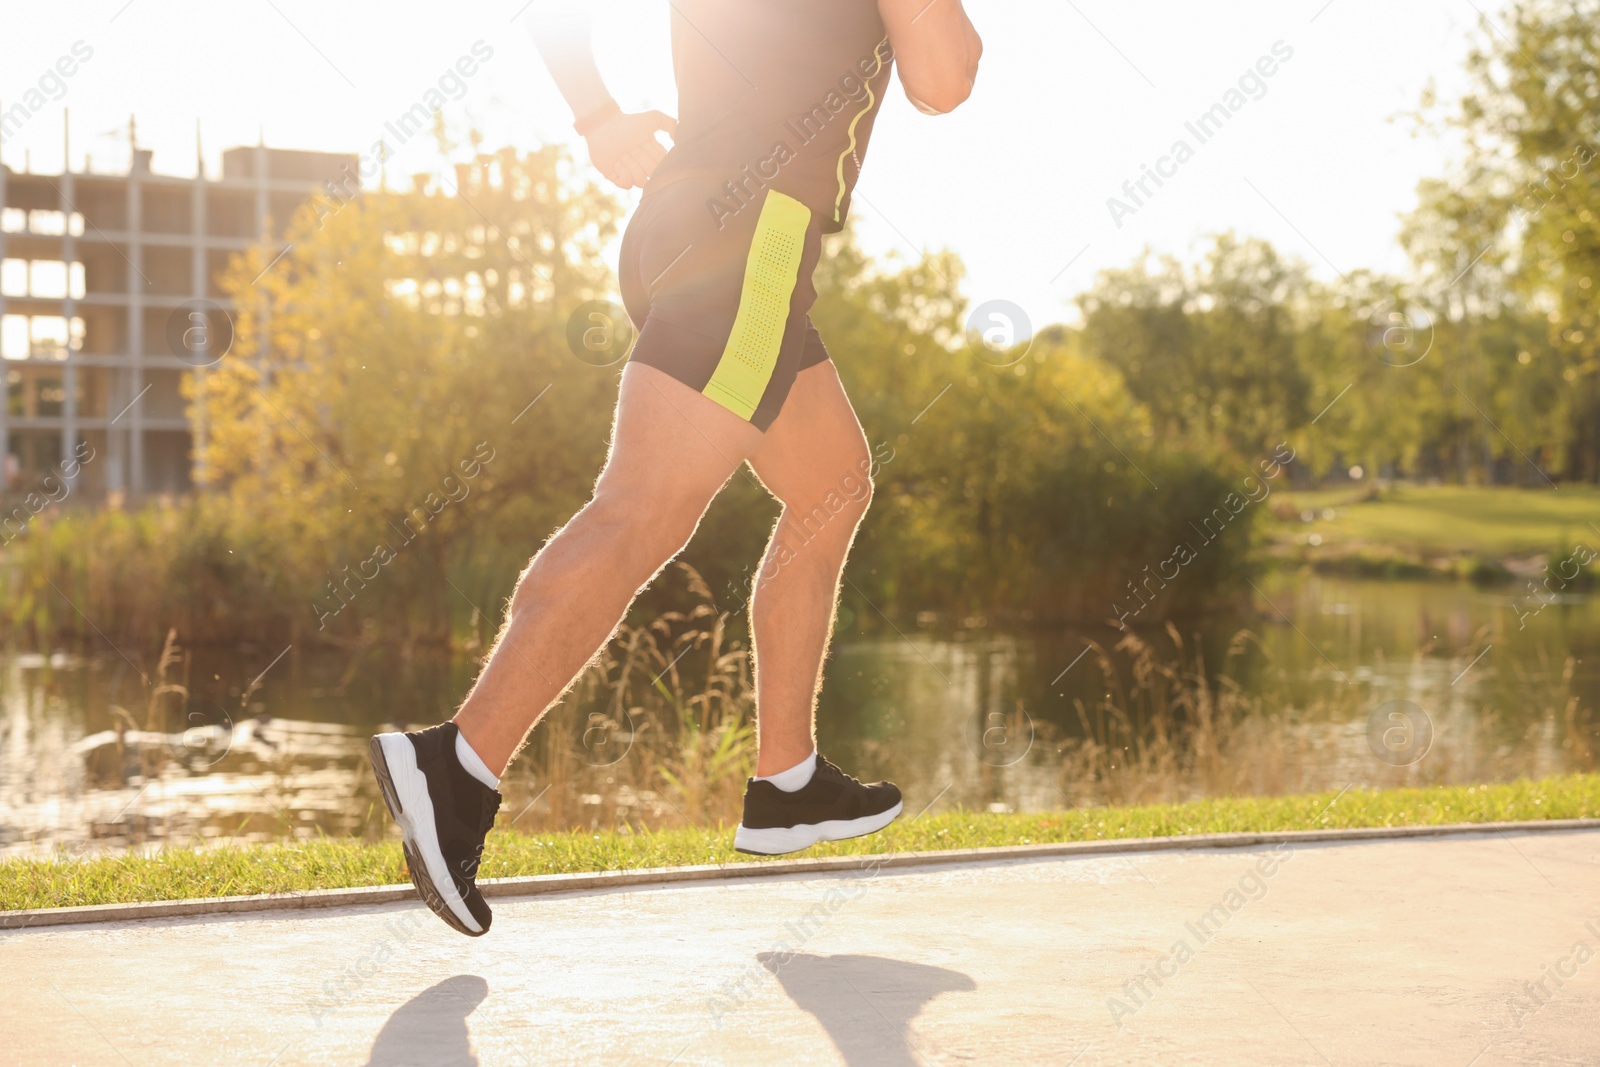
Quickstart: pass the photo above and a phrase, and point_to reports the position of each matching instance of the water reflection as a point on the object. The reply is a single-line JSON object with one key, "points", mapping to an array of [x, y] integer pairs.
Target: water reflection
{"points": [[978, 717]]}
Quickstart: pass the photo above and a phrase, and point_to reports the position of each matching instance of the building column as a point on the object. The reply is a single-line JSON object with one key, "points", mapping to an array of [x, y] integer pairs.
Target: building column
{"points": [[5, 387], [135, 372], [69, 310], [264, 315], [200, 282]]}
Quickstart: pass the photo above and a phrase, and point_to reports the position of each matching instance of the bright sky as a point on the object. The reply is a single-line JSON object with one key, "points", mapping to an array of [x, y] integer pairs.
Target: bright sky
{"points": [[1074, 97]]}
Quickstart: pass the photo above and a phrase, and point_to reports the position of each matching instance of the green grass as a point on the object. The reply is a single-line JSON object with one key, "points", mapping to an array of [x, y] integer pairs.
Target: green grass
{"points": [[176, 874], [1488, 523], [1482, 520]]}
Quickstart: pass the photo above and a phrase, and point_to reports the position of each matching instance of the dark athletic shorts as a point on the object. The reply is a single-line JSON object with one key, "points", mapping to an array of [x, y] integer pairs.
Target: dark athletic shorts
{"points": [[721, 300]]}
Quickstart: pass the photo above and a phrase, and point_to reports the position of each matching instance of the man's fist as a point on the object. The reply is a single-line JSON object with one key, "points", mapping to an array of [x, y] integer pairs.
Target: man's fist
{"points": [[624, 147]]}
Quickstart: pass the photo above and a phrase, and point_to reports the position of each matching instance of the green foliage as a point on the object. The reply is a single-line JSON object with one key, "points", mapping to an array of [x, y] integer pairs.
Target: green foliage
{"points": [[375, 473], [1210, 351], [373, 419], [1509, 246], [1030, 485], [136, 574], [1483, 367]]}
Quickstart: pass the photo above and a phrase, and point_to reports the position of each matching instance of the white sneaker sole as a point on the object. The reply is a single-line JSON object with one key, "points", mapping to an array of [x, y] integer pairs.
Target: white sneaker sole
{"points": [[415, 817], [778, 840]]}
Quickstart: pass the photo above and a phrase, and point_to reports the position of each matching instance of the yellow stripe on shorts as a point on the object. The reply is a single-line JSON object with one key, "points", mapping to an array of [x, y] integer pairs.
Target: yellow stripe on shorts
{"points": [[770, 274]]}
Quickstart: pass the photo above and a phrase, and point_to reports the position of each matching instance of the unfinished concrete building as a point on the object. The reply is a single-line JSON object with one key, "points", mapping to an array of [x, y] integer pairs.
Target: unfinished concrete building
{"points": [[99, 274]]}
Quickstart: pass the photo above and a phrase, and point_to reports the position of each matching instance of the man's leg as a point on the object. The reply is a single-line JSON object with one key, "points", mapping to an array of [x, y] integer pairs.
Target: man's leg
{"points": [[672, 450], [815, 460]]}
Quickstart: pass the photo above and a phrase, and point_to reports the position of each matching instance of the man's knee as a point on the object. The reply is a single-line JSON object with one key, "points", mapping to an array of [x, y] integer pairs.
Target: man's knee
{"points": [[630, 534], [853, 481], [829, 505], [857, 482], [649, 526]]}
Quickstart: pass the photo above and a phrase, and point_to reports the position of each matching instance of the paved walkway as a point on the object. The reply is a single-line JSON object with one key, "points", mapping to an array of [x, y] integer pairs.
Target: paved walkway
{"points": [[1474, 949]]}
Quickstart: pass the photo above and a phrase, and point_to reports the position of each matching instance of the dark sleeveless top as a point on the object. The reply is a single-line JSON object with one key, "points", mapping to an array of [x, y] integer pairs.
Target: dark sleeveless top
{"points": [[777, 94]]}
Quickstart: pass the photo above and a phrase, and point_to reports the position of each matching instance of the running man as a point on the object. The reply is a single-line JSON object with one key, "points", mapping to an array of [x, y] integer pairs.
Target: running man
{"points": [[777, 100]]}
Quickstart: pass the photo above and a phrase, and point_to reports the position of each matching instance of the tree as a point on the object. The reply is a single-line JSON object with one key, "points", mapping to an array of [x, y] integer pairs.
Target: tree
{"points": [[1518, 222], [1210, 351], [373, 416]]}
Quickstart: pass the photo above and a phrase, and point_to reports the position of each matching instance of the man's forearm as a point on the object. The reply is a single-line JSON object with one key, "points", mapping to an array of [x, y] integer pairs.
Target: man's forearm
{"points": [[561, 33]]}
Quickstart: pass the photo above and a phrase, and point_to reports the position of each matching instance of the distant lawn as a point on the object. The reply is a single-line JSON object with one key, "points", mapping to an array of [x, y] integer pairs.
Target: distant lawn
{"points": [[177, 874], [1446, 520]]}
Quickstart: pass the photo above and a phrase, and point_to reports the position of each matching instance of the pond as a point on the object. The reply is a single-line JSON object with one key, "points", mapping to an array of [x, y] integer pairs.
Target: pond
{"points": [[1321, 684]]}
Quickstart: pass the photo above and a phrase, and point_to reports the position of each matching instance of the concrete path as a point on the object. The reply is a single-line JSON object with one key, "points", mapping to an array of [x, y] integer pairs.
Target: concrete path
{"points": [[1468, 950]]}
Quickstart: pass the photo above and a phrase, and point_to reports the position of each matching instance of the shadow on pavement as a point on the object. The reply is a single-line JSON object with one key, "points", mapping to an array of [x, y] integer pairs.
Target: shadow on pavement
{"points": [[865, 1003], [431, 1027]]}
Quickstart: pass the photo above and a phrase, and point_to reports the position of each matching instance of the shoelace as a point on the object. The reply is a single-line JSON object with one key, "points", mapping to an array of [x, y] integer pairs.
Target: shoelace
{"points": [[491, 807], [824, 762], [486, 814]]}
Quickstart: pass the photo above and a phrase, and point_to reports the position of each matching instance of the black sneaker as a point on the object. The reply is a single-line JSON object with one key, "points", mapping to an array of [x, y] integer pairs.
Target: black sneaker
{"points": [[444, 814], [831, 807]]}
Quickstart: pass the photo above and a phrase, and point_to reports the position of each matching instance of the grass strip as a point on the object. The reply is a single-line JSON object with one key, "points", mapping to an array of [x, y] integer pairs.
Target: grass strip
{"points": [[329, 863], [1489, 521]]}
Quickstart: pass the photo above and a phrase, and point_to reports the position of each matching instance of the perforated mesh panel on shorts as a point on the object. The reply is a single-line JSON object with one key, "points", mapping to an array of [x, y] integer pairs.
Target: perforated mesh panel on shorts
{"points": [[768, 283], [770, 273]]}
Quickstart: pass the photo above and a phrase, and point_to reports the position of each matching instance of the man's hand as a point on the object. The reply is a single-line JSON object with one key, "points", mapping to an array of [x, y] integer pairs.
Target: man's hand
{"points": [[936, 49], [624, 147]]}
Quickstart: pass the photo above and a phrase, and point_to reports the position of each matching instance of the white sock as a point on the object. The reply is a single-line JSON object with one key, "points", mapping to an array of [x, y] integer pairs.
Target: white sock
{"points": [[473, 763], [795, 778]]}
